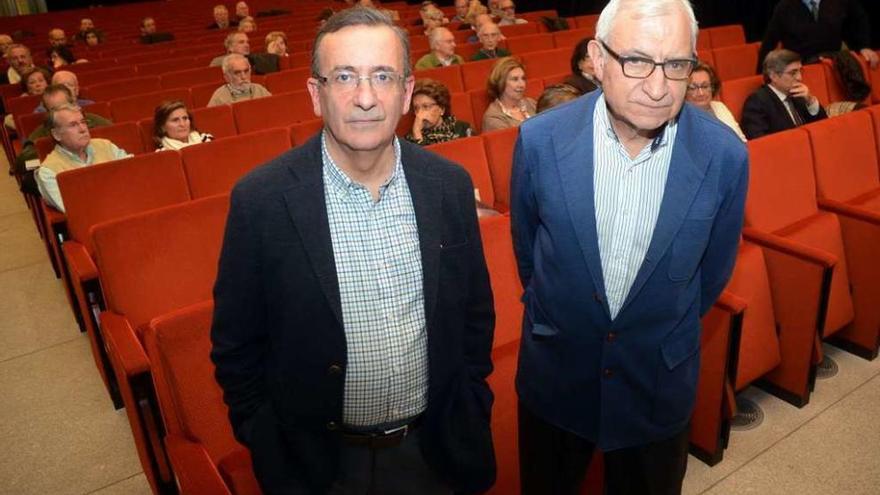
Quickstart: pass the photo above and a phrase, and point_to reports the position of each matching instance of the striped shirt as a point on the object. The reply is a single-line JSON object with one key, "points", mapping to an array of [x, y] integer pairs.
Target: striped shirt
{"points": [[628, 194], [379, 268]]}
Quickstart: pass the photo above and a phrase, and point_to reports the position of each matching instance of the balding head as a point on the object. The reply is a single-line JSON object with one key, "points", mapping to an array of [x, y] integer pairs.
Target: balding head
{"points": [[489, 35], [68, 79], [57, 37], [5, 43], [442, 42]]}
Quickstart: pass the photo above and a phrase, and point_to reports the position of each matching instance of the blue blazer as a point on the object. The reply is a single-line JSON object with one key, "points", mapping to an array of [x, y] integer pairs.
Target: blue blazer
{"points": [[632, 380]]}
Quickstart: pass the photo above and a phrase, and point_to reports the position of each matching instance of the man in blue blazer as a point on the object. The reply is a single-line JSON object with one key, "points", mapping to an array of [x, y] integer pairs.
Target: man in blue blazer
{"points": [[626, 207], [353, 313]]}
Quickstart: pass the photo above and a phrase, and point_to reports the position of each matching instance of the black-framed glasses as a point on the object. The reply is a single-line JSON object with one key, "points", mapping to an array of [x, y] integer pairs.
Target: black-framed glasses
{"points": [[642, 67]]}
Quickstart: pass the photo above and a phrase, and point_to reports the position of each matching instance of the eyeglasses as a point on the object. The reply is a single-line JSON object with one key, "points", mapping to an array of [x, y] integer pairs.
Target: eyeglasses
{"points": [[642, 67], [693, 88], [346, 80]]}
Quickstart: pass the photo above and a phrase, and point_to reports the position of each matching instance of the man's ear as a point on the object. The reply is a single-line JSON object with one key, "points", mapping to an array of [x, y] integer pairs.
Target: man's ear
{"points": [[314, 87], [409, 84], [597, 55]]}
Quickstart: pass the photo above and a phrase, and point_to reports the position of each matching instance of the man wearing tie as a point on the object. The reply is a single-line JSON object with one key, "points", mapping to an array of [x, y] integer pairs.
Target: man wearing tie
{"points": [[784, 102]]}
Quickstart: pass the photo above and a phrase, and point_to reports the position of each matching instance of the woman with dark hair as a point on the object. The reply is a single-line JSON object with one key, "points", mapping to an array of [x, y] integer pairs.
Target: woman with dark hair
{"points": [[434, 122], [35, 82], [702, 88], [93, 37], [60, 56], [582, 76], [174, 128]]}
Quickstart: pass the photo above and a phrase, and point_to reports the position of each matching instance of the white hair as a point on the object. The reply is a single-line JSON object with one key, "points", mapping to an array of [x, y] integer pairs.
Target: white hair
{"points": [[434, 36], [644, 8], [229, 59]]}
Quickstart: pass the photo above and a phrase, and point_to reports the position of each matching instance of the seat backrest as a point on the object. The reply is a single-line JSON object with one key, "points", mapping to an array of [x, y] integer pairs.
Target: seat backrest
{"points": [[568, 39], [302, 131], [705, 56], [504, 276], [735, 93], [273, 111], [22, 104], [547, 62], [782, 189], [704, 42], [161, 260], [844, 156], [191, 77], [191, 401], [288, 80], [733, 62], [213, 168], [106, 63], [475, 74], [450, 76], [106, 75], [217, 121], [142, 106], [125, 135], [115, 189], [164, 66], [201, 93], [874, 111], [122, 88], [515, 30], [814, 78], [479, 103], [730, 35], [586, 21], [531, 43], [29, 122], [101, 108], [461, 108], [469, 153], [499, 146]]}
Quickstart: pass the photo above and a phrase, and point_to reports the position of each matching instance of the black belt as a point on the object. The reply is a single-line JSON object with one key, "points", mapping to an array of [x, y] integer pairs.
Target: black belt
{"points": [[380, 439]]}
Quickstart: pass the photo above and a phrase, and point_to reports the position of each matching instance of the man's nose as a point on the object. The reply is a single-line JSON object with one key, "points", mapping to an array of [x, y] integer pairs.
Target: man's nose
{"points": [[656, 86]]}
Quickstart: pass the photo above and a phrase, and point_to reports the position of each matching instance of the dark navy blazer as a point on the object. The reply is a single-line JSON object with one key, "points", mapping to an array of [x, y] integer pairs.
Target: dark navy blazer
{"points": [[629, 381]]}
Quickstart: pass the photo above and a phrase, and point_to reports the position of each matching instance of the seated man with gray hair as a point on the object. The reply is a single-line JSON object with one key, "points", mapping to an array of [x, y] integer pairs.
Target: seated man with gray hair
{"points": [[235, 42], [784, 101], [442, 50], [74, 149], [490, 35], [238, 87]]}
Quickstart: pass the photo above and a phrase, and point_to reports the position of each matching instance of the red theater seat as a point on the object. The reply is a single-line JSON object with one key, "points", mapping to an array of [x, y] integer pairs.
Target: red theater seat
{"points": [[273, 111], [122, 88], [735, 93], [192, 77], [450, 76], [499, 146], [288, 80], [734, 62], [469, 153], [142, 106]]}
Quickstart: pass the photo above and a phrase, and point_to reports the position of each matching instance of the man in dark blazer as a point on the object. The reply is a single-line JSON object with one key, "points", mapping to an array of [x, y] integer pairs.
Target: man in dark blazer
{"points": [[784, 102], [354, 317], [626, 211]]}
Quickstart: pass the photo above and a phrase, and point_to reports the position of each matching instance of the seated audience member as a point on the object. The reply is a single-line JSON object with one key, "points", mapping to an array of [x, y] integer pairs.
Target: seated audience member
{"points": [[461, 10], [432, 18], [470, 20], [174, 127], [276, 43], [86, 25], [434, 121], [238, 87], [494, 8], [507, 89], [69, 80], [54, 96], [853, 81], [247, 25], [242, 11], [442, 50], [59, 56], [235, 42], [5, 43], [35, 82], [507, 14], [478, 21], [149, 33], [556, 95], [784, 101], [74, 149], [20, 62], [702, 89], [221, 18], [582, 73], [489, 36], [93, 38], [57, 37]]}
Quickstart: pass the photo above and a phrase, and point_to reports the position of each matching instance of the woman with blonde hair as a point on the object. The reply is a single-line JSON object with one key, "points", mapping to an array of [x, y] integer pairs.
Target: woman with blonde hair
{"points": [[276, 43], [510, 106]]}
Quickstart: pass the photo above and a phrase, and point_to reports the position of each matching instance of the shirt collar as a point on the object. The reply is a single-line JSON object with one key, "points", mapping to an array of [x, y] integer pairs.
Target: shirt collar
{"points": [[90, 155], [779, 94], [808, 2], [342, 183], [604, 122]]}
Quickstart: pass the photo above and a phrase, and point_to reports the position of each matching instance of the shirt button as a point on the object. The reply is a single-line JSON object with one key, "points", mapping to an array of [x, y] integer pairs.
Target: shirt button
{"points": [[334, 370], [611, 337], [608, 372], [332, 426]]}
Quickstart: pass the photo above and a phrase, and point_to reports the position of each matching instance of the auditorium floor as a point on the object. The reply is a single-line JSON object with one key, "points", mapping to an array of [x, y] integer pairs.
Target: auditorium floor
{"points": [[59, 433]]}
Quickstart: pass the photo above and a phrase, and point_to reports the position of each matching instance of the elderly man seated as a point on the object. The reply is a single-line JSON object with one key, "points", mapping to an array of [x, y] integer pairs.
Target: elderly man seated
{"points": [[442, 50], [221, 18], [238, 87], [507, 12], [241, 11], [20, 62], [86, 25], [150, 34], [490, 36], [57, 37], [235, 42], [74, 149], [68, 79]]}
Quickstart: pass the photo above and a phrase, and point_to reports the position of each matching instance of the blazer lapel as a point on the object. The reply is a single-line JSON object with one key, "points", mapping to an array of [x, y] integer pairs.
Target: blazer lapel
{"points": [[686, 173], [308, 210], [427, 193], [574, 159]]}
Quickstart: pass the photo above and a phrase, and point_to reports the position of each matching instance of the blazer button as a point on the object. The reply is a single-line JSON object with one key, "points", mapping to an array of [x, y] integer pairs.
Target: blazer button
{"points": [[332, 426], [334, 370], [611, 337], [608, 372]]}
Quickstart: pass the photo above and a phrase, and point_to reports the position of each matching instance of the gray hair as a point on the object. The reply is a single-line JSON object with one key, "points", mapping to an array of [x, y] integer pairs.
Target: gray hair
{"points": [[644, 8], [232, 57], [360, 16], [434, 35], [230, 38], [51, 115], [777, 60]]}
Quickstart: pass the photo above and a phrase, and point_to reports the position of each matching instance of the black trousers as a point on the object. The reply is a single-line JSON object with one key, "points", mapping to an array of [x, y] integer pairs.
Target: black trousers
{"points": [[553, 461]]}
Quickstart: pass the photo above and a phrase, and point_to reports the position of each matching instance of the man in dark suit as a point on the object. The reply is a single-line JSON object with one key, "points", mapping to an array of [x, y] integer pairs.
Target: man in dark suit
{"points": [[626, 211], [354, 316], [784, 102], [811, 27]]}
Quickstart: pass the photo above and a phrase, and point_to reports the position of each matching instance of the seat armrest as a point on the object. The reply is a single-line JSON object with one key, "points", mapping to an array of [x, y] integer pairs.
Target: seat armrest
{"points": [[850, 211], [81, 264], [123, 344], [789, 247], [195, 471]]}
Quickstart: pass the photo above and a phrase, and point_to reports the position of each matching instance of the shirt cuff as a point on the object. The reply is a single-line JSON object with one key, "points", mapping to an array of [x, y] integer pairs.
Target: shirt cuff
{"points": [[813, 107]]}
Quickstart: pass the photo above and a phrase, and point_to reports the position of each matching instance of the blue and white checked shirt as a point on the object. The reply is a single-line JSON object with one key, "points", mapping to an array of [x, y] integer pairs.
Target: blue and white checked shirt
{"points": [[379, 268], [628, 194]]}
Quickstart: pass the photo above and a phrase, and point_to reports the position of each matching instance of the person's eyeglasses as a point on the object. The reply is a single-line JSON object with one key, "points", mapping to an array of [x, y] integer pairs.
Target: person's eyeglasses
{"points": [[642, 67], [694, 88], [345, 80]]}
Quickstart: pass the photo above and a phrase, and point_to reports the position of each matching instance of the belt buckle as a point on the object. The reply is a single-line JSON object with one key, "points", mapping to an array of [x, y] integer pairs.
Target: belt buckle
{"points": [[400, 429]]}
